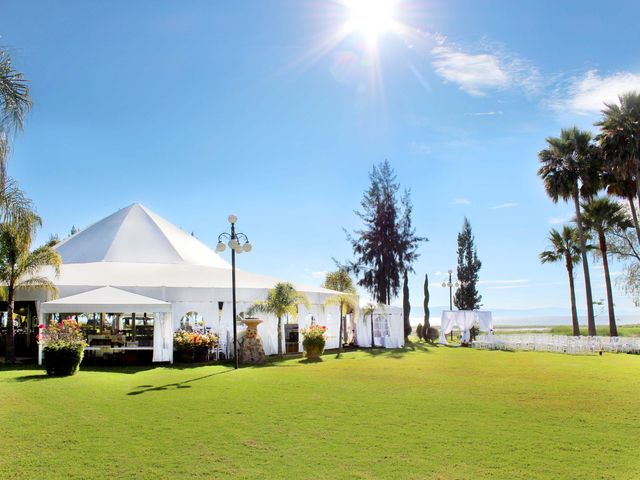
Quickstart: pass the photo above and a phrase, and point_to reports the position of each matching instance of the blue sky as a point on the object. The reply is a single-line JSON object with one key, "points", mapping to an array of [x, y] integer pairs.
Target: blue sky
{"points": [[197, 109]]}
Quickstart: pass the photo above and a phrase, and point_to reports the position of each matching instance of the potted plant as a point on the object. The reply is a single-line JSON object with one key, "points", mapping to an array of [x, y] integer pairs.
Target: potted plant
{"points": [[193, 346], [313, 341], [63, 347]]}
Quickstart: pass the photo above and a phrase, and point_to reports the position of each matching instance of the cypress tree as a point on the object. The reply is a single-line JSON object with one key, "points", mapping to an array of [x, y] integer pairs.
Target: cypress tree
{"points": [[467, 296]]}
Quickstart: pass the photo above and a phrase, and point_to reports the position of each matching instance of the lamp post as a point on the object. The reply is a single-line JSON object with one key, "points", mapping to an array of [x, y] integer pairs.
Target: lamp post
{"points": [[451, 284], [234, 243]]}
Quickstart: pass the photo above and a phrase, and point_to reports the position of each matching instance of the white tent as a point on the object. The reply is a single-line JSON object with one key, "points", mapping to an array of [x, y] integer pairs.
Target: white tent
{"points": [[137, 251], [114, 300], [388, 326], [464, 319]]}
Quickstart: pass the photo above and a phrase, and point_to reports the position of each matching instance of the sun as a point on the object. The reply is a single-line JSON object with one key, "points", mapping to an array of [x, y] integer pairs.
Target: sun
{"points": [[371, 17]]}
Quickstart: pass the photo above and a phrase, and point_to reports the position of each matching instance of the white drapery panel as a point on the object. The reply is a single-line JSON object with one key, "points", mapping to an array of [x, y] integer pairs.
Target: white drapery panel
{"points": [[162, 337], [464, 320], [447, 322], [485, 320]]}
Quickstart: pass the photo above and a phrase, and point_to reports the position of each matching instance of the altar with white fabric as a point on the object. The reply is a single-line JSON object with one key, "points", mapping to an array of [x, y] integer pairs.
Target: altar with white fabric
{"points": [[464, 320]]}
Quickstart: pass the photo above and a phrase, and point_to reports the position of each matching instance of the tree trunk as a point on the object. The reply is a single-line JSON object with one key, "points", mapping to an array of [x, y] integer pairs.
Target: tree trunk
{"points": [[572, 288], [591, 323], [427, 325], [406, 308], [280, 337], [373, 342], [634, 216], [10, 348], [613, 329], [341, 330]]}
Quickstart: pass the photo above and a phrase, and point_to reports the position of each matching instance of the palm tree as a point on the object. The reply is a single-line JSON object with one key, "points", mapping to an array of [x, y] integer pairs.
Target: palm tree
{"points": [[15, 101], [20, 268], [624, 188], [601, 216], [283, 299], [620, 137], [565, 246], [570, 170], [369, 309], [347, 299]]}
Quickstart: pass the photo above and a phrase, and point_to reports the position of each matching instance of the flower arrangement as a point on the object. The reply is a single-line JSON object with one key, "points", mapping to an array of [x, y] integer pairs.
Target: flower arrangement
{"points": [[194, 346], [63, 345], [184, 340], [314, 339]]}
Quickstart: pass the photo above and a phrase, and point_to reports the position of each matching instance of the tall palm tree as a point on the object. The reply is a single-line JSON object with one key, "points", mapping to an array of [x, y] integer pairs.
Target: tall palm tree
{"points": [[624, 188], [347, 299], [620, 137], [15, 102], [570, 170], [601, 216], [20, 268], [565, 246], [283, 299]]}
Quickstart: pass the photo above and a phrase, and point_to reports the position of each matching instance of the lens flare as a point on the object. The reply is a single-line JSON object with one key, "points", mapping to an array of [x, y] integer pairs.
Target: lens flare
{"points": [[371, 17]]}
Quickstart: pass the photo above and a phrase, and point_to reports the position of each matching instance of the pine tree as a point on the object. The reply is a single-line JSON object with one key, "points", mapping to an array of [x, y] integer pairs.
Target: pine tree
{"points": [[387, 245], [467, 296]]}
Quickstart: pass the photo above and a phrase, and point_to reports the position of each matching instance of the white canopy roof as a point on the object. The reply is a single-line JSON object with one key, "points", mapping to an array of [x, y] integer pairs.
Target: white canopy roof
{"points": [[136, 250], [136, 235], [106, 299]]}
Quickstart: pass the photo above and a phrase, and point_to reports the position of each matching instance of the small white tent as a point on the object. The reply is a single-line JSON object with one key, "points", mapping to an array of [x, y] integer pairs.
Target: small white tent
{"points": [[387, 324], [137, 251]]}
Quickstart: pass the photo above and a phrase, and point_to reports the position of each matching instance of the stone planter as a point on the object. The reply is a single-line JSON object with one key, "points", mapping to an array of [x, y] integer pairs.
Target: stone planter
{"points": [[313, 351], [62, 361], [201, 355], [251, 348], [184, 355]]}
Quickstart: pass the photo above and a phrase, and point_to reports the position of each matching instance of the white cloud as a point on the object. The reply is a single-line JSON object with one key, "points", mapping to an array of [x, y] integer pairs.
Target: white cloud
{"points": [[460, 201], [492, 68], [588, 94], [502, 282], [560, 219], [484, 114], [504, 205], [472, 73], [321, 274], [419, 148]]}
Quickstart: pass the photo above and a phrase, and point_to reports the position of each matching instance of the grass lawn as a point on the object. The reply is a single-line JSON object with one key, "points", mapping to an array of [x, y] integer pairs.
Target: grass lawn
{"points": [[442, 413]]}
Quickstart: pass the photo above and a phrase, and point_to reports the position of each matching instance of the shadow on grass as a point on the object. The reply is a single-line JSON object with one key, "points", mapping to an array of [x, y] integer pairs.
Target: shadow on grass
{"points": [[140, 389]]}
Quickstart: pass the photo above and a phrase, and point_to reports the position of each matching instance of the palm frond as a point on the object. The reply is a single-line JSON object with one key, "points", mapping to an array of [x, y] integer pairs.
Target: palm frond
{"points": [[15, 101]]}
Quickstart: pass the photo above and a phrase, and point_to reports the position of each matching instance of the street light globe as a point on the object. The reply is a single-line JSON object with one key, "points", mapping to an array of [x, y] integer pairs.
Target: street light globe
{"points": [[233, 243], [233, 218], [238, 249], [248, 247], [220, 247], [444, 284]]}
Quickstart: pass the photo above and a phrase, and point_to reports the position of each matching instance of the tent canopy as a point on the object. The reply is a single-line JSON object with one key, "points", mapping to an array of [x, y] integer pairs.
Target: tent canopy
{"points": [[106, 299]]}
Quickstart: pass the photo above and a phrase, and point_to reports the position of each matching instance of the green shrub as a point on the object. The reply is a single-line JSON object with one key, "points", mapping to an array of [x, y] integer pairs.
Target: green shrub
{"points": [[432, 334]]}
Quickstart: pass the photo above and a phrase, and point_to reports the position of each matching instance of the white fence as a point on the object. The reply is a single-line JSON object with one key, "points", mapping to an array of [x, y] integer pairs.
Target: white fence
{"points": [[558, 343]]}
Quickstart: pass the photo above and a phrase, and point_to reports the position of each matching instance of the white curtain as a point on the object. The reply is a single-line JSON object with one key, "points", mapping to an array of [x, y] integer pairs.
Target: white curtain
{"points": [[363, 331], [162, 338], [447, 321], [485, 320]]}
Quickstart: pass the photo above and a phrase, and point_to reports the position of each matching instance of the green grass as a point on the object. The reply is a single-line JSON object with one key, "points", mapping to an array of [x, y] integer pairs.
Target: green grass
{"points": [[602, 330], [442, 413]]}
